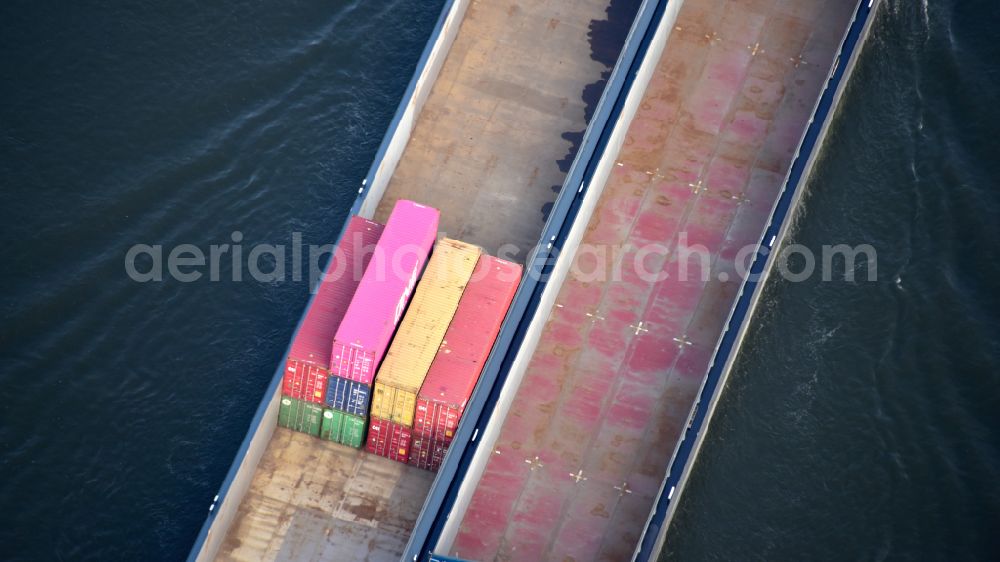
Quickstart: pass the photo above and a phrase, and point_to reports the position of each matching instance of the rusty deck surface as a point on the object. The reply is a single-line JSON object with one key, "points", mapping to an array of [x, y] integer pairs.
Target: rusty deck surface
{"points": [[589, 436], [317, 500], [486, 145]]}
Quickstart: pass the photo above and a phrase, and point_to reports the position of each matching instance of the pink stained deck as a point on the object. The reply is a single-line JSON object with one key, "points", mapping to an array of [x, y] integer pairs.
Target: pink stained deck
{"points": [[589, 436]]}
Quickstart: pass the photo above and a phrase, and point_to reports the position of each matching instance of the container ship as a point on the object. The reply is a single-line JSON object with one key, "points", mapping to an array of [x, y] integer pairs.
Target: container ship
{"points": [[493, 370]]}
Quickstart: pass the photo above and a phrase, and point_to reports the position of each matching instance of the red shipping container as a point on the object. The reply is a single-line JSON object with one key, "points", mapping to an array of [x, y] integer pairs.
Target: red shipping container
{"points": [[390, 440], [381, 298], [304, 380], [427, 453], [467, 344], [308, 363]]}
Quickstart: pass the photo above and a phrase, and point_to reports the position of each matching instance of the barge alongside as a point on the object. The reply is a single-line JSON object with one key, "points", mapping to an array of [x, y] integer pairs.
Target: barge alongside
{"points": [[572, 469], [592, 384]]}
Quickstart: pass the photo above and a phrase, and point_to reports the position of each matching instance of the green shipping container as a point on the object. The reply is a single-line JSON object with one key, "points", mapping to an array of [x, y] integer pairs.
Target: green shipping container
{"points": [[343, 428], [300, 416]]}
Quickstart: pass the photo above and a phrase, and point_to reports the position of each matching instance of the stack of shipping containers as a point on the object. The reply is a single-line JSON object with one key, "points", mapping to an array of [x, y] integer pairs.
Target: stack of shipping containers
{"points": [[431, 364], [461, 358], [415, 346], [308, 364], [376, 309]]}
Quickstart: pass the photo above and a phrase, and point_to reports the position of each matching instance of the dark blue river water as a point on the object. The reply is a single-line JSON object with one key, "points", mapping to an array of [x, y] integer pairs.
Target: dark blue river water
{"points": [[122, 404], [863, 421]]}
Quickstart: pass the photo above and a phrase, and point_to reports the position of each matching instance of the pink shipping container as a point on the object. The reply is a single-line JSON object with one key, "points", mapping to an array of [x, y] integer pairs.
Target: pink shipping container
{"points": [[467, 344], [385, 289], [389, 439], [308, 363]]}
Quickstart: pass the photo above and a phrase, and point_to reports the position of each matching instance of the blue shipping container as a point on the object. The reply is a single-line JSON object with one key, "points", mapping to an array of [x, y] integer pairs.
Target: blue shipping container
{"points": [[352, 397]]}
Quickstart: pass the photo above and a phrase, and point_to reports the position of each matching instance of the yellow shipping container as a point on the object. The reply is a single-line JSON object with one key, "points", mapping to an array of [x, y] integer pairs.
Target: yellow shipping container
{"points": [[394, 396]]}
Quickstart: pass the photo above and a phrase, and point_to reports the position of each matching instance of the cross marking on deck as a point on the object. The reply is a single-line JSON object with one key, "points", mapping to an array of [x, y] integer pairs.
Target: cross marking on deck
{"points": [[623, 489], [712, 37], [594, 317], [798, 61], [755, 49], [578, 476], [698, 187], [682, 341], [534, 463], [740, 198], [639, 328]]}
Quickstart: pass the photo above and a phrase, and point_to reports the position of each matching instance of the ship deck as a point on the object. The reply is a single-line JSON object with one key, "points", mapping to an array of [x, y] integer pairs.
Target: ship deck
{"points": [[487, 144], [588, 438], [486, 151], [317, 500]]}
